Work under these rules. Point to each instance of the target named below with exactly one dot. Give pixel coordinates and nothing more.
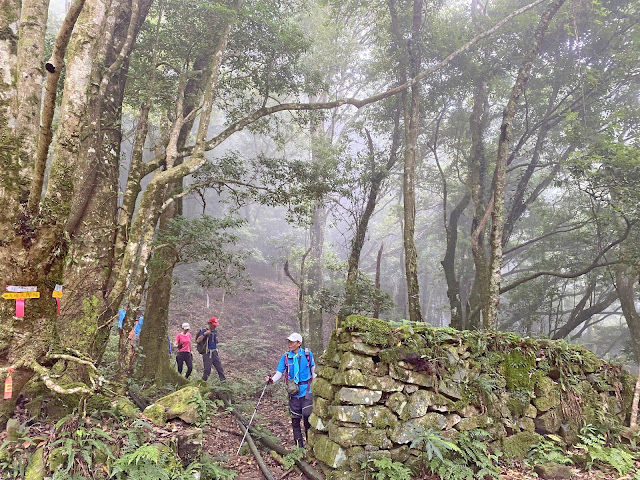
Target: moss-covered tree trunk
(478, 123)
(504, 146)
(32, 250)
(154, 366)
(86, 317)
(154, 338)
(312, 324)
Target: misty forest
(430, 207)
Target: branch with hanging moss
(71, 358)
(45, 375)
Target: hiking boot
(299, 443)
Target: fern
(450, 470)
(289, 460)
(432, 442)
(593, 443)
(142, 464)
(549, 451)
(386, 469)
(467, 459)
(208, 470)
(476, 454)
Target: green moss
(126, 408)
(331, 356)
(321, 388)
(374, 331)
(328, 451)
(517, 446)
(391, 355)
(326, 372)
(519, 371)
(157, 414)
(97, 403)
(36, 468)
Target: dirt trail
(253, 330)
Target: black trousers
(209, 359)
(182, 358)
(300, 409)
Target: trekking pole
(246, 430)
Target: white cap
(295, 337)
(185, 326)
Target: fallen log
(252, 446)
(307, 469)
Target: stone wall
(380, 386)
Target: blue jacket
(138, 327)
(304, 374)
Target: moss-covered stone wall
(380, 386)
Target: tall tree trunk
(376, 306)
(625, 280)
(155, 363)
(92, 218)
(53, 68)
(11, 182)
(478, 123)
(362, 224)
(32, 251)
(313, 324)
(449, 263)
(64, 178)
(154, 337)
(504, 145)
(412, 121)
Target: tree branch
(53, 67)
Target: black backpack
(202, 346)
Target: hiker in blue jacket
(121, 313)
(298, 368)
(207, 338)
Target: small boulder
(552, 471)
(186, 404)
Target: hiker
(135, 336)
(183, 347)
(207, 340)
(298, 368)
(121, 313)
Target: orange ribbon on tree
(8, 384)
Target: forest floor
(253, 330)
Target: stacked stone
(371, 402)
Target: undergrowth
(103, 446)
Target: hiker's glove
(269, 380)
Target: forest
(290, 166)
